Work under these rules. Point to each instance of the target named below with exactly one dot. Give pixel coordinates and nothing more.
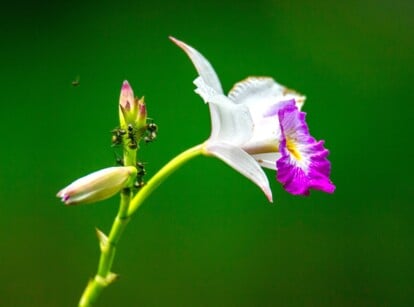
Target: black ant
(151, 132)
(139, 183)
(133, 144)
(117, 136)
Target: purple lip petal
(274, 109)
(304, 164)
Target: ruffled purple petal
(304, 164)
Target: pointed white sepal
(242, 162)
(203, 67)
(230, 122)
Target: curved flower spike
(98, 185)
(247, 129)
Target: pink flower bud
(141, 119)
(132, 111)
(127, 105)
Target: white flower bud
(99, 185)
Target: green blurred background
(207, 237)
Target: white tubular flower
(98, 186)
(243, 135)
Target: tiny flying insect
(76, 82)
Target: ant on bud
(133, 144)
(151, 132)
(139, 183)
(117, 135)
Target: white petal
(205, 91)
(231, 123)
(263, 91)
(267, 160)
(255, 87)
(241, 162)
(262, 95)
(203, 67)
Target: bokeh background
(207, 237)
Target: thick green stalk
(130, 157)
(104, 276)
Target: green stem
(130, 157)
(104, 276)
(108, 245)
(161, 175)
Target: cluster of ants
(131, 136)
(149, 133)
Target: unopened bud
(99, 185)
(141, 119)
(126, 104)
(132, 111)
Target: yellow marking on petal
(291, 146)
(290, 91)
(265, 148)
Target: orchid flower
(259, 124)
